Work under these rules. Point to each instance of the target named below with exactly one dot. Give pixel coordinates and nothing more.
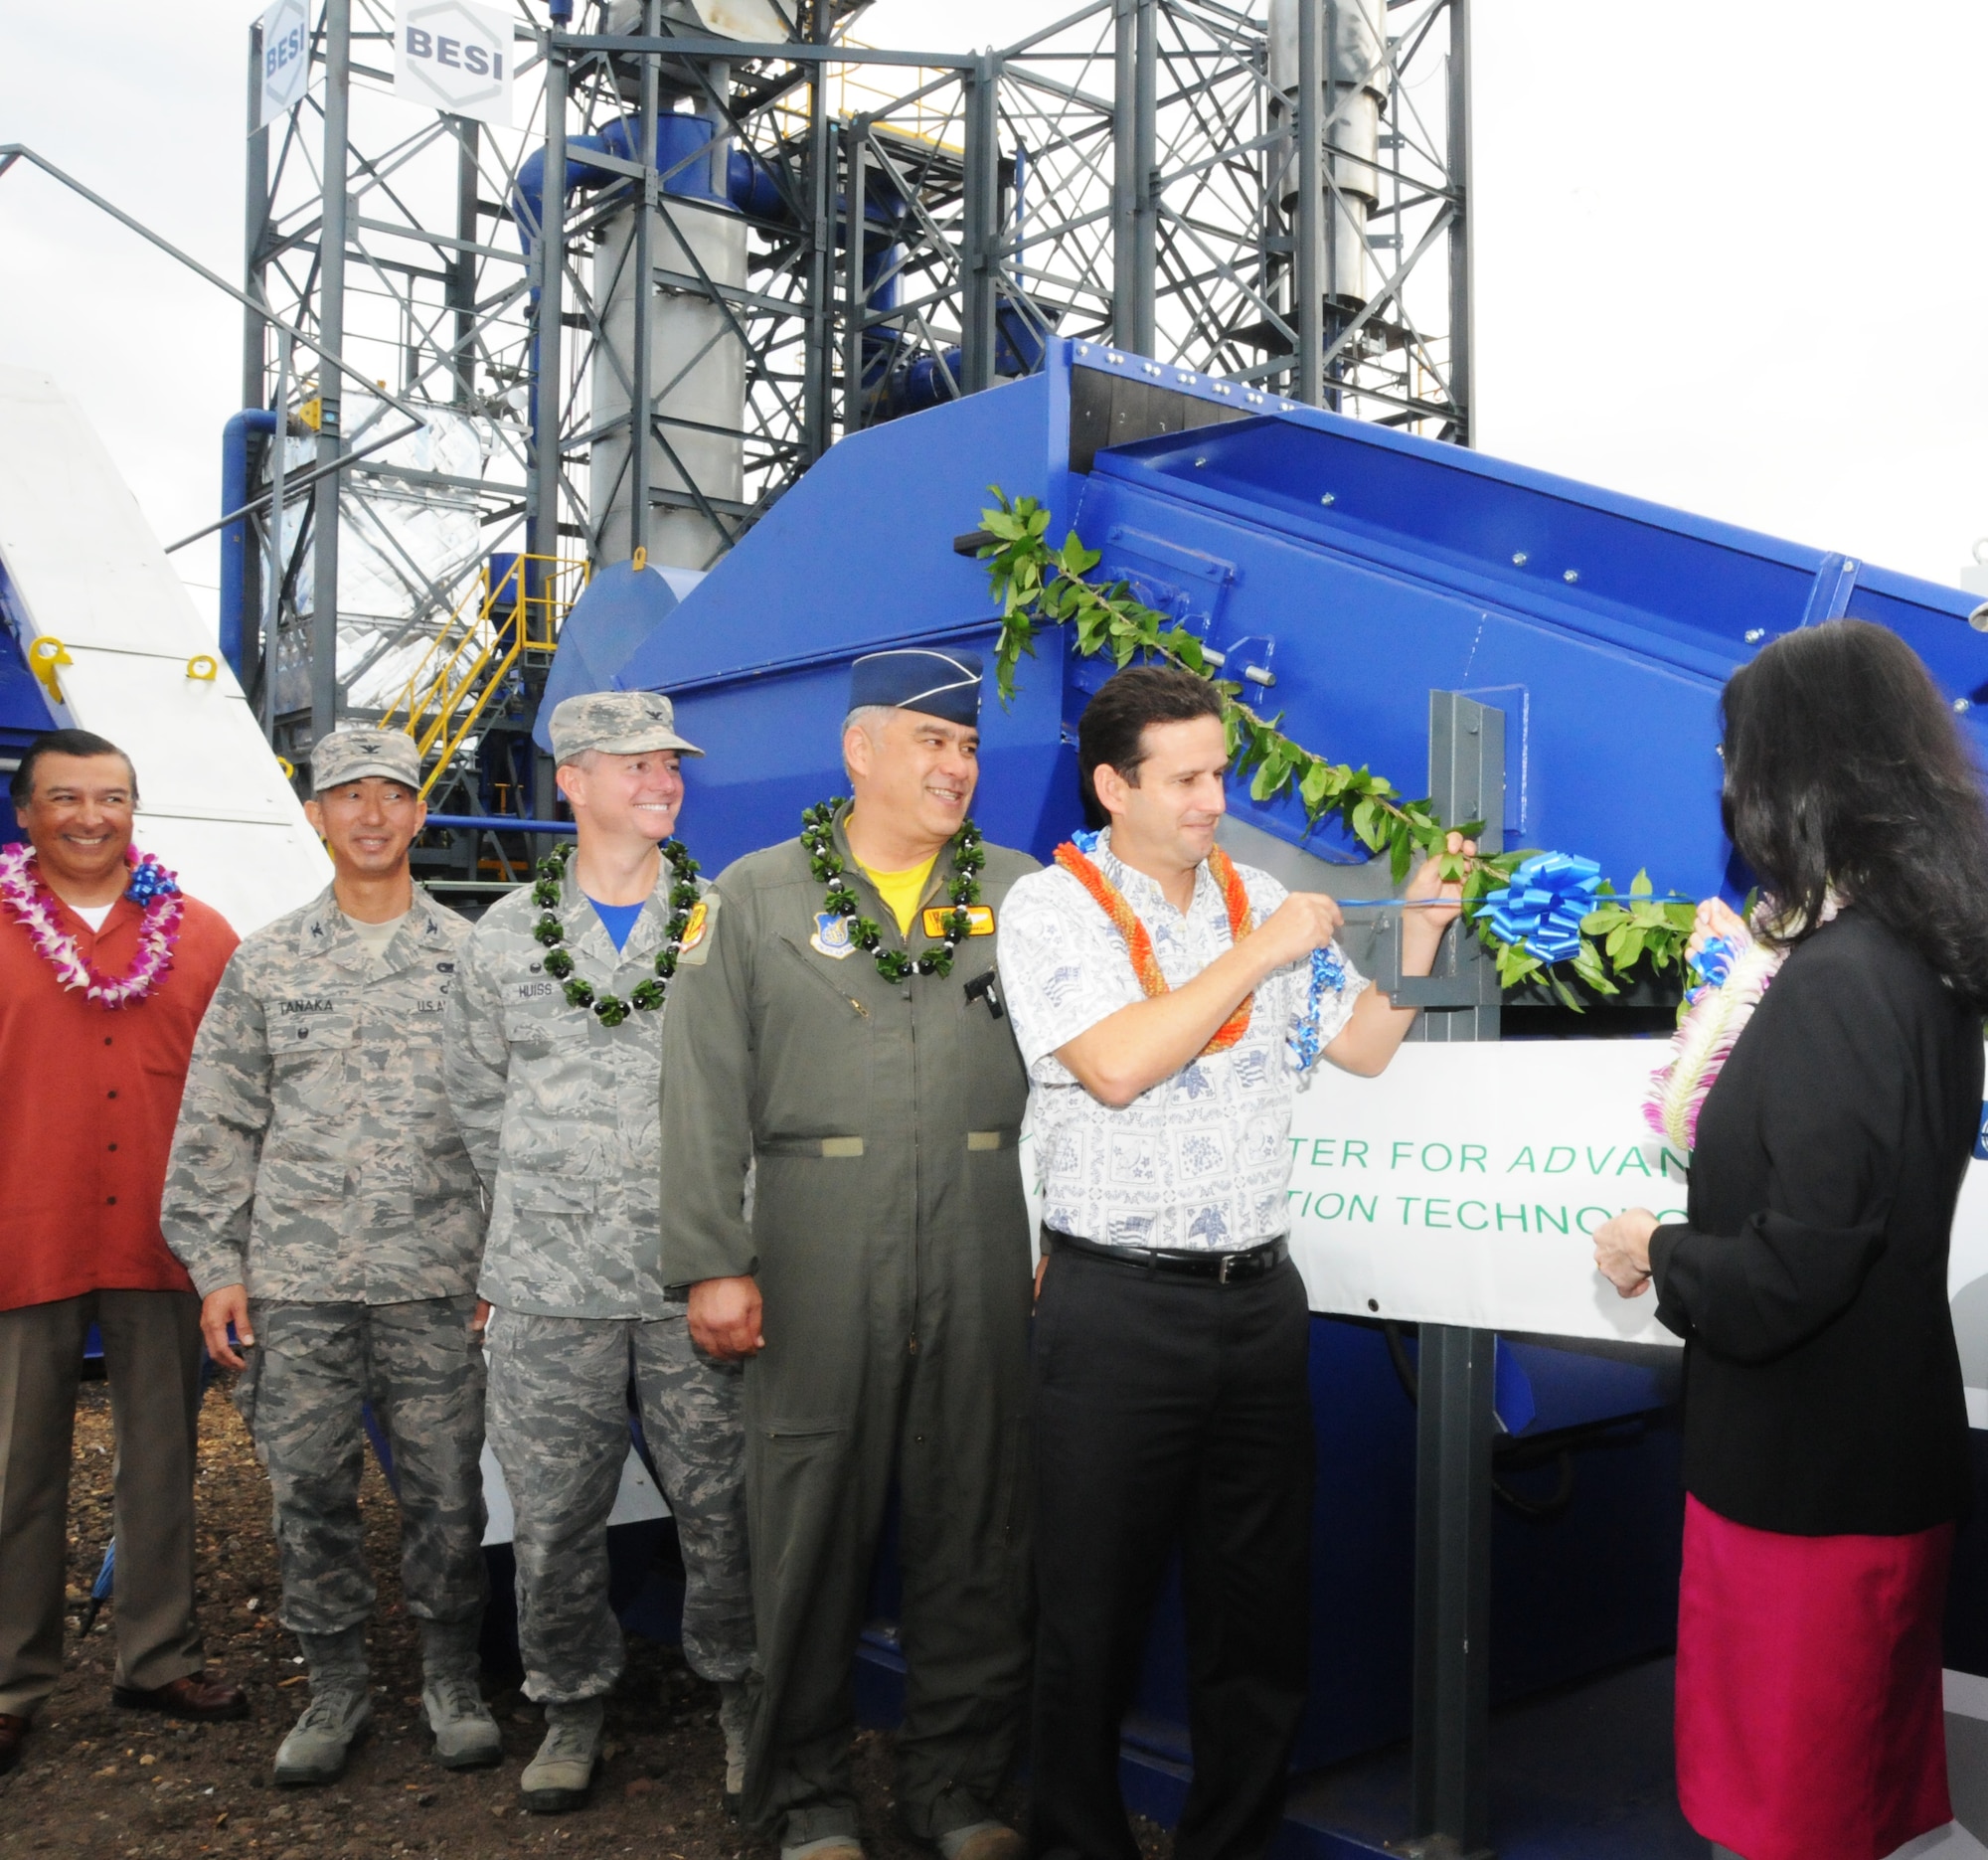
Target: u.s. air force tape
(979, 918)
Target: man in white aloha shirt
(1169, 1005)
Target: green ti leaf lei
(1036, 585)
(962, 889)
(646, 996)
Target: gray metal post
(640, 411)
(1125, 166)
(256, 226)
(1466, 783)
(1450, 1800)
(1135, 80)
(1308, 269)
(548, 390)
(1460, 326)
(254, 326)
(979, 233)
(855, 181)
(461, 287)
(817, 384)
(1145, 205)
(272, 612)
(330, 384)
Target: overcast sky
(1741, 272)
(1734, 258)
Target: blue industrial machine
(1355, 568)
(1345, 572)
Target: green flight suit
(886, 1229)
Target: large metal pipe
(1354, 94)
(238, 596)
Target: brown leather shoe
(13, 1734)
(196, 1696)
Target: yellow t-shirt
(903, 890)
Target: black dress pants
(1167, 1413)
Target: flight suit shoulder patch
(831, 935)
(695, 945)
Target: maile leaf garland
(1036, 584)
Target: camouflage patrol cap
(617, 723)
(347, 753)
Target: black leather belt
(1214, 1269)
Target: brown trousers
(151, 1351)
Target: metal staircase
(514, 608)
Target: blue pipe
(235, 537)
(932, 380)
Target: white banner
(286, 59)
(1461, 1187)
(455, 56)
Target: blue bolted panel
(858, 556)
(1601, 624)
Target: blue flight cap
(941, 683)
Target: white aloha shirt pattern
(1201, 1162)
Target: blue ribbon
(1711, 966)
(1541, 908)
(1328, 976)
(1086, 840)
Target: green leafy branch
(1039, 585)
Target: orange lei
(1138, 940)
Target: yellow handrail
(475, 648)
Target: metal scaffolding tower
(832, 234)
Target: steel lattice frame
(1112, 177)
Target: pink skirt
(1809, 1715)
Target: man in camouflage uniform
(322, 1199)
(874, 1093)
(553, 1050)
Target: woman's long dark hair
(1844, 766)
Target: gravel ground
(98, 1782)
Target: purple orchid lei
(25, 893)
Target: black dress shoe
(13, 1734)
(196, 1696)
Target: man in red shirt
(104, 973)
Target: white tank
(697, 362)
(1352, 63)
(697, 385)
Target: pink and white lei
(26, 894)
(1710, 1029)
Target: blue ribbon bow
(1541, 908)
(1711, 966)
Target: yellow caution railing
(474, 649)
(880, 93)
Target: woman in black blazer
(1826, 1452)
